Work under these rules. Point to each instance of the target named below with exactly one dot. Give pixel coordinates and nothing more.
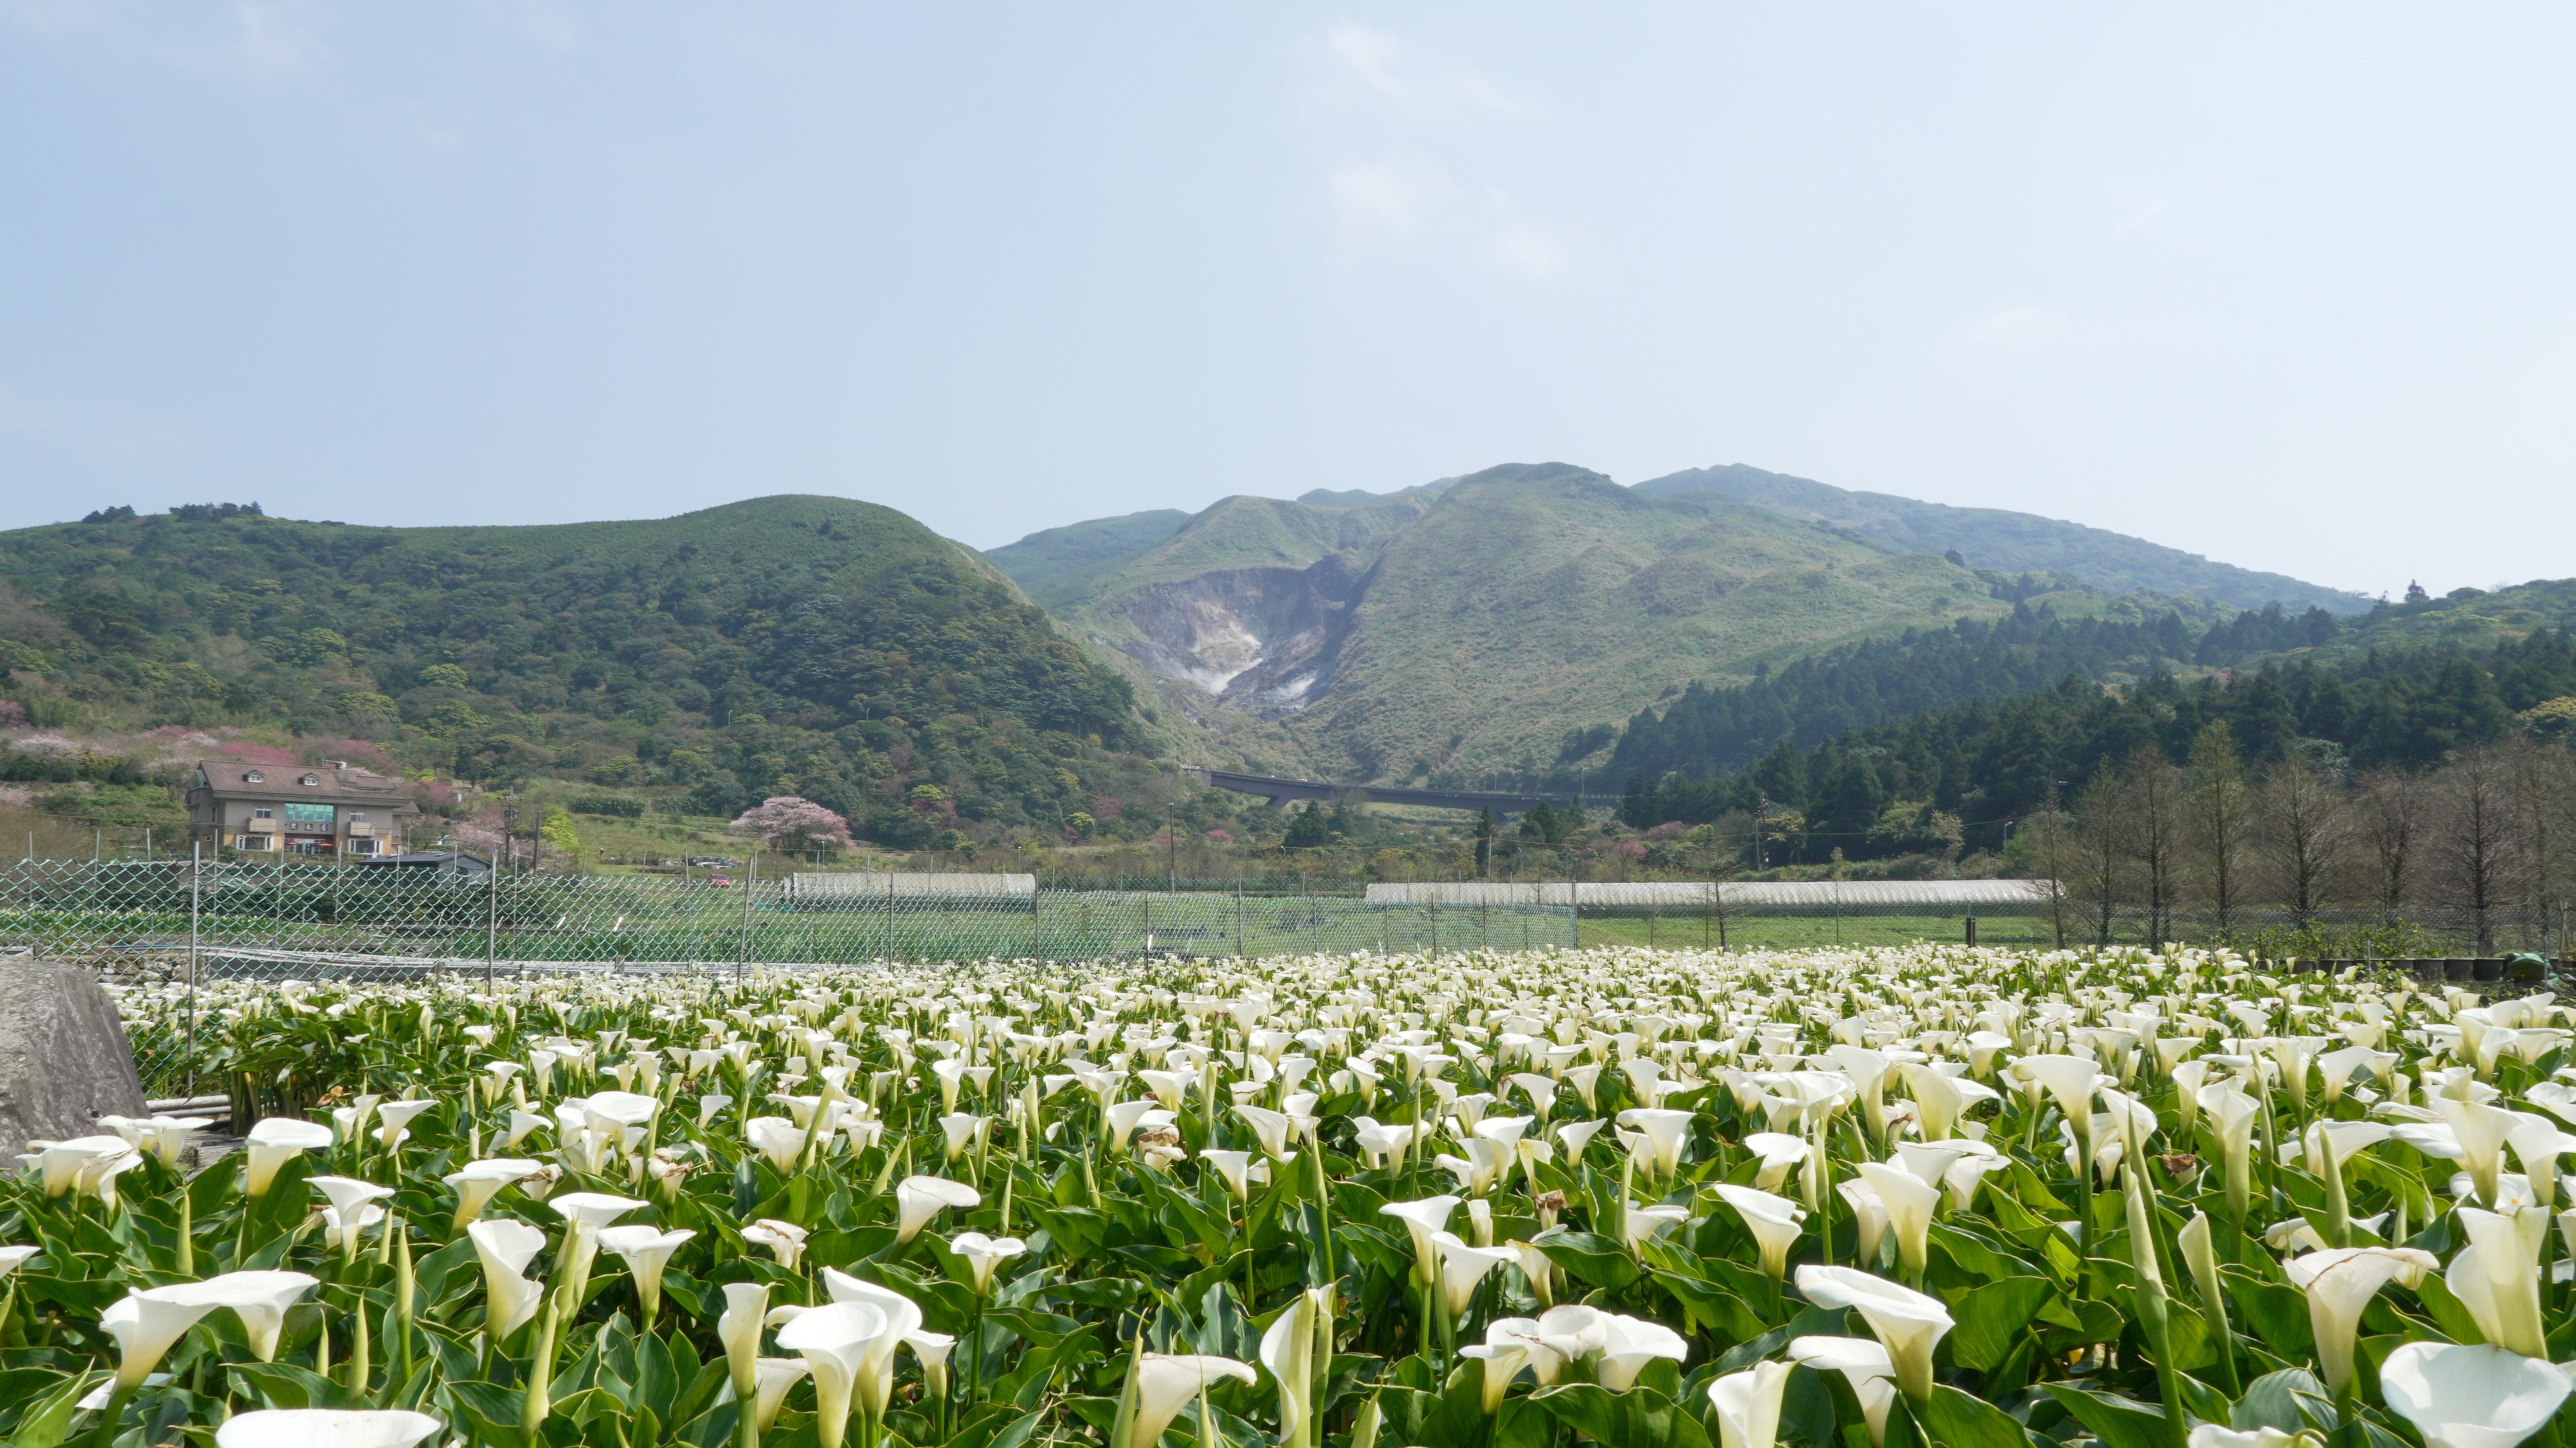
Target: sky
(2286, 285)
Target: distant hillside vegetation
(1055, 566)
(1834, 693)
(1507, 622)
(788, 645)
(1995, 538)
(2403, 689)
(1501, 623)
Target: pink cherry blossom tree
(793, 822)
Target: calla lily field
(1846, 1199)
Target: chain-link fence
(155, 922)
(2418, 933)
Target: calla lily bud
(739, 1328)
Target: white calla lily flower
(325, 1428)
(2471, 1397)
(1908, 1323)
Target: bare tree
(2543, 776)
(2393, 820)
(2474, 859)
(2219, 809)
(2049, 836)
(2151, 800)
(2302, 835)
(2099, 853)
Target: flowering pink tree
(792, 822)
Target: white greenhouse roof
(1694, 894)
(909, 884)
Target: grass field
(1793, 932)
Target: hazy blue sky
(2286, 285)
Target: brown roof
(229, 779)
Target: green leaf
(1078, 1231)
(1952, 1419)
(2201, 1401)
(46, 1423)
(1807, 1408)
(2276, 1311)
(284, 1385)
(1637, 1418)
(1002, 1432)
(2272, 1401)
(1589, 1258)
(1811, 1322)
(1709, 1304)
(1973, 1254)
(1991, 1318)
(2447, 1311)
(493, 1409)
(2118, 1422)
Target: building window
(357, 816)
(255, 777)
(314, 819)
(311, 779)
(263, 812)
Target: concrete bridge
(1281, 792)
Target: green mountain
(2011, 542)
(1054, 566)
(804, 645)
(1500, 623)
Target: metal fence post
(196, 863)
(750, 884)
(491, 918)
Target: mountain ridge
(1457, 629)
(1495, 623)
(2008, 540)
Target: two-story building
(329, 810)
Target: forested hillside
(789, 645)
(1836, 692)
(1961, 775)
